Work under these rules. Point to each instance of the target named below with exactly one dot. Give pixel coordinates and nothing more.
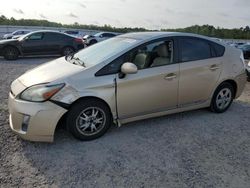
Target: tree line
(208, 30)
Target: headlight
(40, 93)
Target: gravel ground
(191, 149)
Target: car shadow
(151, 151)
(29, 60)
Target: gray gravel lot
(191, 149)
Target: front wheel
(10, 53)
(223, 98)
(89, 119)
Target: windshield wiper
(75, 60)
(79, 61)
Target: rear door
(200, 68)
(53, 42)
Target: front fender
(69, 95)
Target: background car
(16, 34)
(75, 33)
(246, 50)
(92, 39)
(239, 44)
(40, 43)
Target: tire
(10, 53)
(88, 119)
(67, 51)
(222, 98)
(92, 42)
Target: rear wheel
(89, 119)
(223, 98)
(10, 53)
(67, 50)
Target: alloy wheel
(11, 53)
(91, 121)
(224, 98)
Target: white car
(16, 34)
(75, 33)
(98, 37)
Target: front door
(34, 44)
(154, 88)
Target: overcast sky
(151, 14)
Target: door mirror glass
(129, 68)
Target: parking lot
(190, 149)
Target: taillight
(78, 40)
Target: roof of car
(22, 30)
(99, 33)
(156, 34)
(51, 31)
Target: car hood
(49, 72)
(6, 41)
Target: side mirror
(129, 68)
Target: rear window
(219, 50)
(72, 32)
(108, 35)
(49, 36)
(52, 36)
(193, 49)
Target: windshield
(15, 32)
(86, 36)
(103, 50)
(97, 34)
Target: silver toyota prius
(127, 78)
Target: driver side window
(152, 55)
(36, 36)
(145, 56)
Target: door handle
(214, 67)
(170, 76)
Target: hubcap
(91, 121)
(223, 98)
(11, 53)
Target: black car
(40, 43)
(246, 51)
